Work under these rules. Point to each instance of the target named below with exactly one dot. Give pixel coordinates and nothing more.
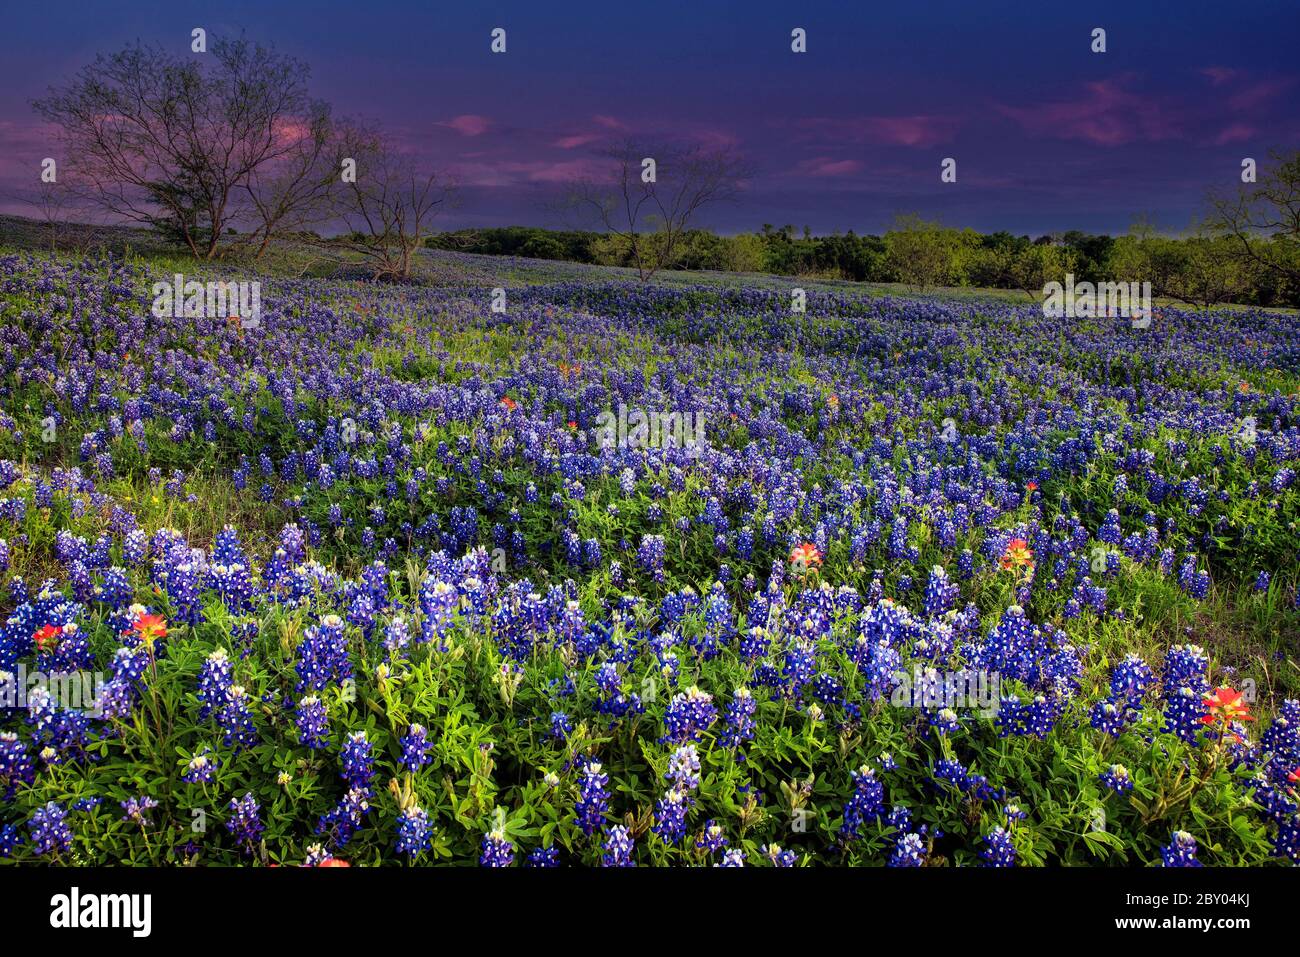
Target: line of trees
(1245, 250)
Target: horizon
(1048, 136)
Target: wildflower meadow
(929, 582)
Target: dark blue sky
(1047, 135)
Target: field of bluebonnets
(364, 585)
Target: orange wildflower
(1223, 706)
(1017, 555)
(806, 555)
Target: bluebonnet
(414, 832)
(1180, 851)
(999, 851)
(593, 799)
(245, 823)
(618, 848)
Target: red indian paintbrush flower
(1017, 555)
(47, 636)
(1224, 706)
(806, 555)
(150, 628)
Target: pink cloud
(1105, 114)
(468, 124)
(825, 166)
(609, 122)
(576, 140)
(1258, 94)
(1234, 133)
(916, 131)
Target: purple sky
(1047, 135)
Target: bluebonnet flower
(777, 856)
(346, 818)
(357, 761)
(670, 816)
(10, 838)
(618, 848)
(940, 592)
(1112, 718)
(866, 803)
(732, 857)
(593, 799)
(136, 809)
(323, 656)
(1131, 678)
(740, 724)
(944, 721)
(15, 764)
(689, 714)
(236, 720)
(414, 832)
(999, 851)
(245, 823)
(1181, 851)
(543, 857)
(561, 726)
(214, 682)
(683, 768)
(650, 555)
(49, 830)
(909, 851)
(415, 748)
(713, 839)
(201, 768)
(1117, 779)
(313, 723)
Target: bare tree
(389, 205)
(297, 191)
(1264, 217)
(655, 192)
(54, 205)
(175, 144)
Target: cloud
(1104, 114)
(468, 124)
(576, 140)
(913, 131)
(1234, 133)
(825, 166)
(1259, 94)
